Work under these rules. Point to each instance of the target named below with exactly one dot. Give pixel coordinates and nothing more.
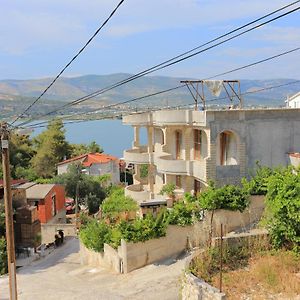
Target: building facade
(49, 200)
(94, 164)
(190, 148)
(293, 101)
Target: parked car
(70, 205)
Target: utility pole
(10, 240)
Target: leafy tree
(185, 212)
(169, 190)
(258, 183)
(79, 149)
(51, 148)
(116, 203)
(144, 171)
(21, 153)
(93, 203)
(95, 234)
(88, 186)
(228, 197)
(283, 207)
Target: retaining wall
(194, 288)
(131, 256)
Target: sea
(111, 135)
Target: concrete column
(188, 136)
(136, 136)
(151, 180)
(150, 139)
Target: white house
(190, 148)
(94, 164)
(293, 101)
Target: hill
(15, 94)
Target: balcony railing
(138, 155)
(137, 192)
(166, 164)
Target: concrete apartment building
(189, 148)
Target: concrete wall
(264, 135)
(48, 231)
(109, 259)
(131, 256)
(194, 288)
(137, 255)
(234, 220)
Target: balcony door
(178, 141)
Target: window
(228, 149)
(178, 181)
(178, 144)
(197, 144)
(164, 178)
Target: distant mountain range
(17, 94)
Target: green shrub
(141, 230)
(258, 184)
(168, 189)
(95, 234)
(116, 203)
(3, 256)
(184, 213)
(282, 210)
(227, 197)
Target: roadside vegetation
(185, 212)
(255, 268)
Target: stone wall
(48, 231)
(194, 288)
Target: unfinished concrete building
(189, 148)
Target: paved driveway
(60, 276)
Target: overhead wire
(34, 126)
(171, 62)
(179, 86)
(69, 63)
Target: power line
(43, 124)
(70, 62)
(180, 86)
(164, 65)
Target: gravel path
(60, 276)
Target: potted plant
(169, 190)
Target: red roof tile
(91, 158)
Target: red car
(70, 205)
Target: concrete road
(60, 276)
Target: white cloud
(34, 23)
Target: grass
(268, 275)
(251, 272)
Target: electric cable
(101, 91)
(70, 62)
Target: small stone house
(49, 199)
(94, 164)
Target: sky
(39, 37)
